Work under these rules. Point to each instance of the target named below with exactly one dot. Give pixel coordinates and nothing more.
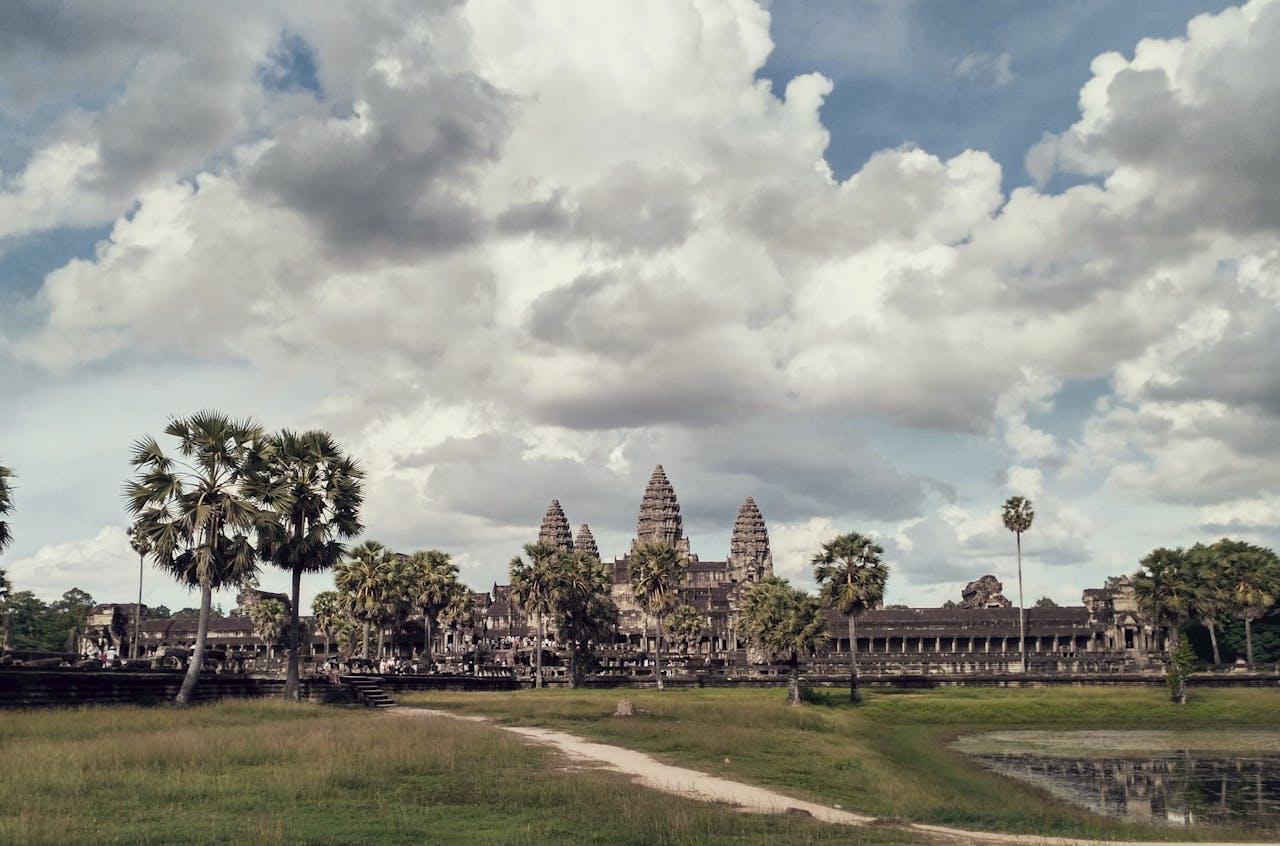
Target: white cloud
(994, 68)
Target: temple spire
(660, 515)
(586, 542)
(555, 529)
(749, 555)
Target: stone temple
(977, 635)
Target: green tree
(1046, 602)
(30, 625)
(330, 616)
(141, 547)
(159, 612)
(1211, 595)
(194, 512)
(315, 491)
(6, 505)
(1017, 517)
(1253, 582)
(657, 572)
(270, 617)
(531, 584)
(582, 609)
(685, 623)
(784, 623)
(852, 575)
(431, 579)
(365, 578)
(1165, 590)
(71, 613)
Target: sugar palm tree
(657, 573)
(784, 623)
(363, 579)
(1017, 518)
(269, 618)
(141, 547)
(431, 581)
(315, 492)
(330, 615)
(6, 505)
(852, 575)
(580, 602)
(1211, 594)
(1253, 582)
(194, 513)
(1164, 589)
(531, 584)
(686, 623)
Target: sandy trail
(693, 784)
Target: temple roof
(586, 542)
(750, 537)
(659, 512)
(555, 529)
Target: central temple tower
(660, 516)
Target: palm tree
(531, 584)
(1165, 590)
(852, 577)
(330, 615)
(315, 492)
(1211, 594)
(584, 612)
(1253, 581)
(784, 623)
(269, 617)
(431, 580)
(364, 578)
(194, 513)
(6, 505)
(141, 547)
(1017, 519)
(686, 623)
(657, 572)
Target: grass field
(889, 757)
(267, 773)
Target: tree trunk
(426, 643)
(291, 673)
(364, 641)
(137, 612)
(854, 695)
(657, 654)
(574, 667)
(382, 638)
(537, 657)
(189, 682)
(1022, 614)
(1248, 640)
(1213, 639)
(793, 683)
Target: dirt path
(682, 781)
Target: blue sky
(878, 265)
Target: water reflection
(1176, 788)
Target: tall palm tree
(584, 611)
(852, 575)
(6, 505)
(1165, 590)
(364, 579)
(1017, 518)
(431, 580)
(330, 615)
(1211, 594)
(531, 584)
(194, 513)
(315, 492)
(269, 618)
(141, 547)
(657, 573)
(1253, 581)
(784, 623)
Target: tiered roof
(586, 542)
(555, 531)
(749, 556)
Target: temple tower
(749, 555)
(586, 542)
(660, 515)
(555, 531)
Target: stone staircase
(368, 690)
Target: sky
(878, 265)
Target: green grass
(266, 772)
(889, 757)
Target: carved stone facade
(984, 593)
(555, 531)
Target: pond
(1174, 778)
